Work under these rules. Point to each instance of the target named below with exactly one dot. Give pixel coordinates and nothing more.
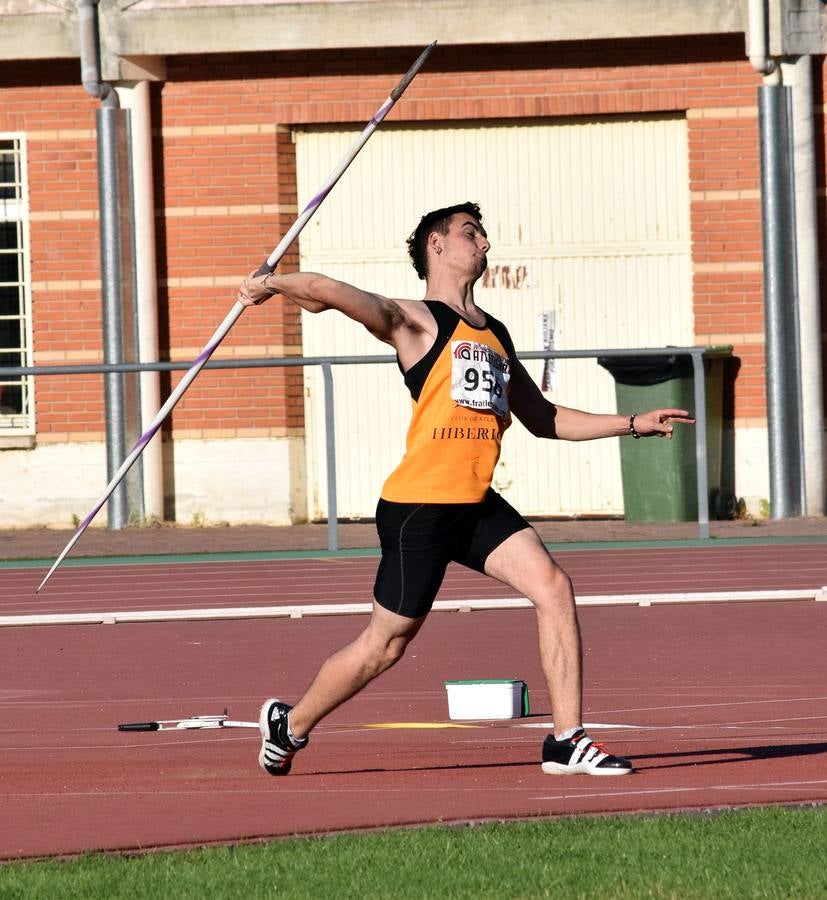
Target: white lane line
(683, 706)
(326, 790)
(723, 726)
(701, 788)
(595, 725)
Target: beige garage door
(589, 226)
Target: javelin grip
(139, 726)
(265, 269)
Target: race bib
(479, 376)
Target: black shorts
(419, 540)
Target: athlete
(437, 506)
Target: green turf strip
(760, 853)
(250, 555)
(167, 558)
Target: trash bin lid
(644, 370)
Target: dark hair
(438, 220)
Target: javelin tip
(50, 572)
(409, 76)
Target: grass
(773, 852)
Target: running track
(719, 704)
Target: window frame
(14, 426)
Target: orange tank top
(459, 391)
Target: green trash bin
(660, 477)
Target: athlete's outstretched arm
(316, 293)
(550, 420)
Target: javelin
(268, 265)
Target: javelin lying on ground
(192, 722)
(269, 265)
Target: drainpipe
(135, 98)
(798, 74)
(110, 185)
(757, 43)
(780, 302)
(781, 310)
(90, 54)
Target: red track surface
(726, 702)
(192, 585)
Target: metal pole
(136, 99)
(798, 73)
(330, 457)
(108, 190)
(780, 303)
(699, 383)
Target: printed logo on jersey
(479, 376)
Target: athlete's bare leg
(345, 673)
(523, 562)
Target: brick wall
(226, 192)
(708, 79)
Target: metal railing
(697, 355)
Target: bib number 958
(479, 376)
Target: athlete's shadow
(693, 758)
(391, 770)
(732, 754)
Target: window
(16, 412)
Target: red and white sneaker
(580, 755)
